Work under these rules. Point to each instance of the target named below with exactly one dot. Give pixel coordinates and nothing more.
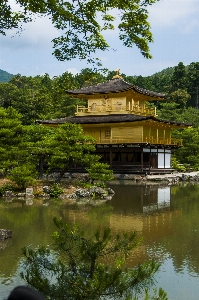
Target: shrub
(56, 190)
(23, 175)
(6, 187)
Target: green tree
(11, 139)
(193, 84)
(168, 111)
(87, 267)
(23, 175)
(180, 97)
(189, 153)
(34, 149)
(81, 23)
(15, 158)
(34, 99)
(88, 77)
(38, 141)
(9, 94)
(179, 78)
(40, 97)
(62, 104)
(190, 116)
(69, 146)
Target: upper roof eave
(115, 85)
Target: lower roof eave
(140, 145)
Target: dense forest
(42, 97)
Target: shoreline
(176, 176)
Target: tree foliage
(189, 153)
(90, 267)
(81, 24)
(11, 139)
(69, 147)
(27, 151)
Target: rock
(138, 178)
(44, 195)
(68, 175)
(72, 196)
(110, 191)
(54, 175)
(116, 176)
(5, 234)
(129, 177)
(46, 189)
(82, 193)
(97, 190)
(29, 192)
(21, 195)
(9, 194)
(107, 197)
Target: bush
(56, 190)
(177, 166)
(23, 175)
(6, 187)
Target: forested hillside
(5, 76)
(42, 97)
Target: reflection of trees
(33, 225)
(177, 231)
(131, 198)
(30, 225)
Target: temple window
(107, 134)
(118, 106)
(93, 107)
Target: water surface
(166, 217)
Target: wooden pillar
(111, 156)
(142, 160)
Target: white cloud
(167, 13)
(73, 71)
(38, 34)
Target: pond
(166, 217)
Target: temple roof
(115, 85)
(109, 119)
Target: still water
(166, 217)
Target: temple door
(154, 160)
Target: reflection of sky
(163, 200)
(12, 281)
(179, 286)
(163, 195)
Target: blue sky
(175, 28)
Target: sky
(175, 28)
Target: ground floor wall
(135, 157)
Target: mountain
(5, 76)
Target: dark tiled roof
(108, 119)
(113, 86)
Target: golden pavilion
(129, 136)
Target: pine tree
(88, 267)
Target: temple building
(129, 136)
